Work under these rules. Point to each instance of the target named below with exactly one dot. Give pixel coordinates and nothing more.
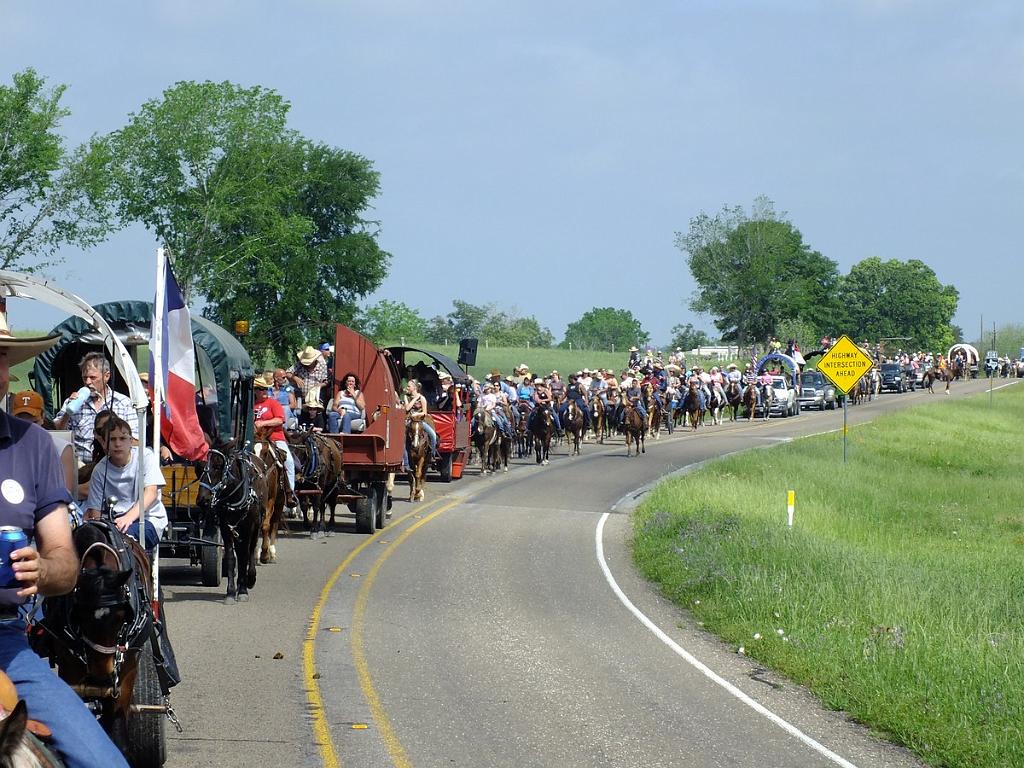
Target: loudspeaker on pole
(467, 352)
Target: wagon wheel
(365, 511)
(210, 559)
(447, 459)
(380, 503)
(147, 739)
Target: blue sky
(541, 156)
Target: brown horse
(750, 400)
(572, 424)
(319, 477)
(633, 426)
(101, 635)
(734, 398)
(937, 374)
(418, 446)
(273, 459)
(541, 427)
(653, 410)
(690, 405)
(522, 434)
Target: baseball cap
(27, 402)
(325, 347)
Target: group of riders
(514, 400)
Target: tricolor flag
(174, 368)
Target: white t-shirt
(110, 480)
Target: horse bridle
(242, 485)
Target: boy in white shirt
(115, 475)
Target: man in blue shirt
(33, 497)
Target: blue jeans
(151, 538)
(341, 422)
(76, 734)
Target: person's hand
(123, 523)
(27, 569)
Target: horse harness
(132, 596)
(242, 487)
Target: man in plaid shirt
(95, 370)
(309, 374)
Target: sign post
(844, 365)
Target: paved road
(479, 629)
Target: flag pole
(156, 368)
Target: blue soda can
(11, 538)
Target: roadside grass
(896, 596)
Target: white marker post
(790, 505)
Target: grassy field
(897, 594)
(540, 359)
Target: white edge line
(700, 666)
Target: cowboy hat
(634, 349)
(444, 375)
(261, 382)
(731, 367)
(308, 356)
(20, 349)
(495, 372)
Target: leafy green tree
(463, 322)
(393, 321)
(754, 271)
(687, 337)
(263, 223)
(508, 330)
(48, 197)
(887, 299)
(605, 328)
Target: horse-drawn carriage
(452, 423)
(964, 360)
(224, 374)
(108, 637)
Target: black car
(894, 378)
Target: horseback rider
(634, 358)
(574, 392)
(717, 383)
(542, 398)
(631, 393)
(416, 407)
(489, 402)
(764, 387)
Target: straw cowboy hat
(261, 382)
(731, 367)
(308, 356)
(634, 349)
(495, 372)
(444, 375)
(20, 349)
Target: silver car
(816, 391)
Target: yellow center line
(399, 758)
(321, 730)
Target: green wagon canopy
(220, 358)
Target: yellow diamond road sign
(844, 364)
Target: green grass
(542, 360)
(899, 592)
